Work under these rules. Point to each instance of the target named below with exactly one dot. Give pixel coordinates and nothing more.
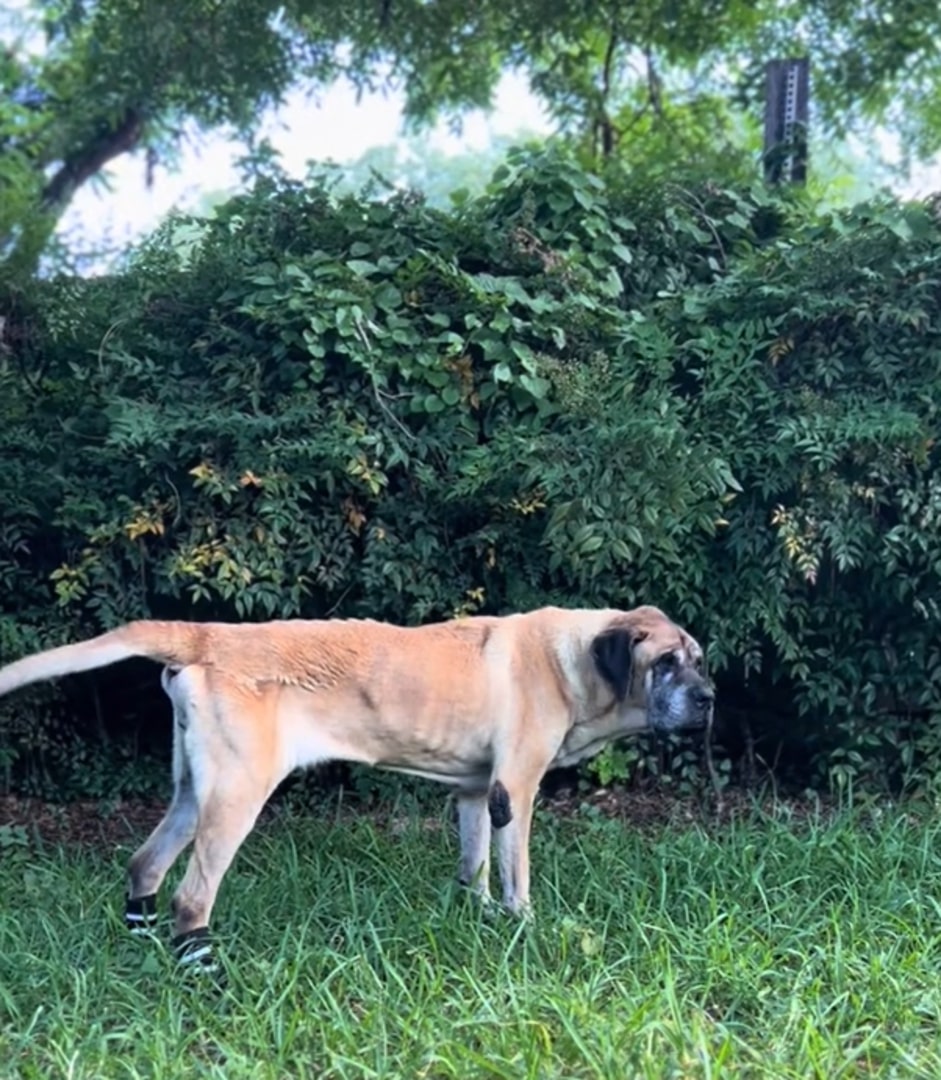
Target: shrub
(567, 390)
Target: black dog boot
(140, 914)
(194, 952)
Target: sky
(339, 126)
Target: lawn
(776, 944)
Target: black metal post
(787, 93)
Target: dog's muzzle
(680, 701)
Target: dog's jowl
(485, 705)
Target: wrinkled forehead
(670, 640)
(658, 635)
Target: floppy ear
(613, 653)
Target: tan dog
(486, 705)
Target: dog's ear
(613, 653)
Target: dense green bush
(568, 391)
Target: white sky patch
(337, 125)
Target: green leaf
(387, 298)
(362, 267)
(535, 384)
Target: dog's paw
(475, 886)
(519, 909)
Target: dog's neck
(584, 740)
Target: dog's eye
(668, 662)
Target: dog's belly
(456, 757)
(476, 781)
(447, 748)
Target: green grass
(767, 947)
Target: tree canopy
(84, 82)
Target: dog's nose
(704, 697)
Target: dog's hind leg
(233, 757)
(150, 863)
(473, 818)
(152, 860)
(226, 817)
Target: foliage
(563, 391)
(794, 946)
(813, 363)
(84, 84)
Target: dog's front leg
(474, 830)
(519, 765)
(513, 849)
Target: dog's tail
(176, 643)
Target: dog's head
(649, 662)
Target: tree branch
(82, 166)
(607, 128)
(653, 85)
